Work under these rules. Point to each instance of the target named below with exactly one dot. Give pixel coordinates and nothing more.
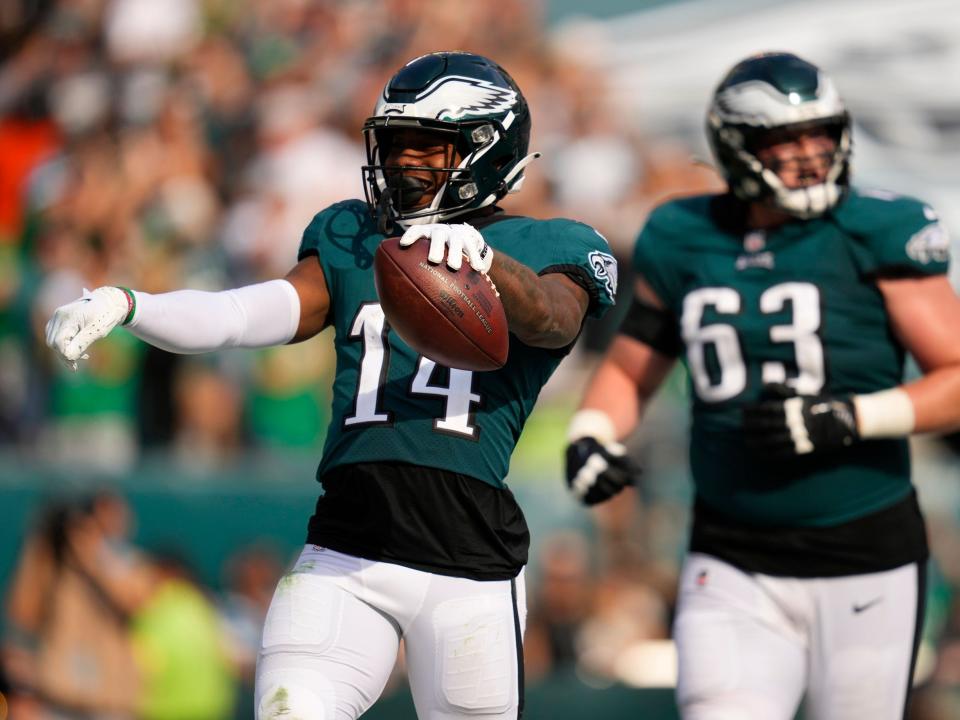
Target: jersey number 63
(731, 380)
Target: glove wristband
(885, 414)
(131, 304)
(592, 423)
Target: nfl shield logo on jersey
(754, 241)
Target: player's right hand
(452, 242)
(77, 325)
(597, 471)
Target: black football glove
(786, 425)
(597, 471)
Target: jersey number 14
(804, 299)
(369, 327)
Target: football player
(792, 299)
(416, 535)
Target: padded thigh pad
(477, 646)
(306, 611)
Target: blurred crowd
(187, 143)
(98, 628)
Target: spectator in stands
(68, 610)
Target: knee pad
(281, 696)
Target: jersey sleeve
(341, 221)
(311, 238)
(583, 254)
(652, 256)
(897, 236)
(332, 233)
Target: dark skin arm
(542, 310)
(308, 280)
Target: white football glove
(454, 241)
(76, 326)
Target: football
(453, 317)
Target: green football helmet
(471, 102)
(777, 92)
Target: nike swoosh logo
(866, 606)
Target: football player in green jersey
(416, 535)
(793, 299)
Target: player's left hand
(786, 425)
(452, 242)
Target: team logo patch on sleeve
(930, 244)
(605, 271)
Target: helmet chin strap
(407, 190)
(805, 202)
(809, 202)
(400, 190)
(427, 218)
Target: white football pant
(331, 637)
(750, 646)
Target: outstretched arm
(542, 310)
(308, 280)
(193, 321)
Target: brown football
(453, 317)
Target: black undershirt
(880, 541)
(424, 518)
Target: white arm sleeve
(193, 321)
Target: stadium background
(187, 143)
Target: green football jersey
(794, 305)
(391, 404)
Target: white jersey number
(730, 376)
(370, 328)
